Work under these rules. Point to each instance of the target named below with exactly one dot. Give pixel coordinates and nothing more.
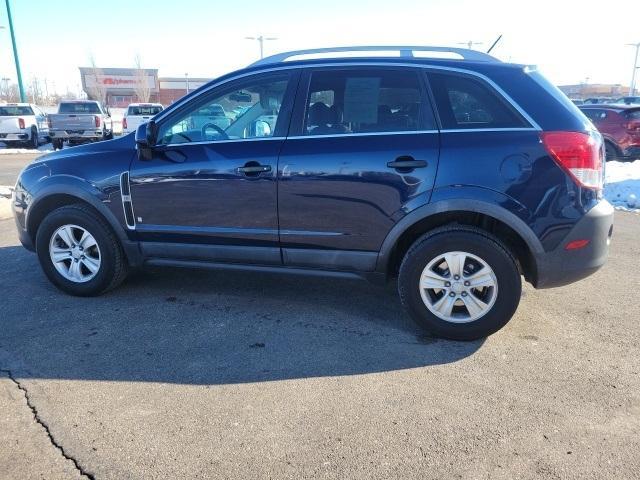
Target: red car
(620, 127)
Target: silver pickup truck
(80, 121)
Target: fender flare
(74, 187)
(451, 205)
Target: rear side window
(467, 103)
(365, 101)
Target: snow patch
(41, 149)
(622, 185)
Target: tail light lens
(21, 123)
(49, 122)
(97, 121)
(579, 154)
(634, 126)
(124, 122)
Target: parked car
(80, 121)
(620, 127)
(23, 124)
(597, 101)
(137, 114)
(628, 100)
(454, 177)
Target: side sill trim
(165, 262)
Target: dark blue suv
(456, 176)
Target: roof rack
(404, 51)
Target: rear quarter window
(467, 103)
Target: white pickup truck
(80, 121)
(137, 114)
(23, 124)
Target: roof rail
(404, 51)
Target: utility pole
(15, 53)
(470, 44)
(632, 87)
(261, 39)
(186, 77)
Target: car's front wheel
(79, 252)
(460, 283)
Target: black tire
(471, 240)
(113, 266)
(33, 141)
(57, 143)
(611, 152)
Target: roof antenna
(494, 43)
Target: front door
(209, 191)
(365, 154)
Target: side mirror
(146, 134)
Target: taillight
(49, 122)
(578, 154)
(124, 122)
(97, 121)
(633, 126)
(21, 123)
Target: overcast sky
(569, 40)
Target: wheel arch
(51, 199)
(508, 227)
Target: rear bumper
(15, 137)
(561, 267)
(85, 135)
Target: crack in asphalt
(41, 422)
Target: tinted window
(144, 110)
(79, 108)
(362, 101)
(466, 103)
(248, 110)
(633, 115)
(11, 111)
(595, 114)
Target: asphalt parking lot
(192, 374)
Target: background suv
(620, 127)
(454, 176)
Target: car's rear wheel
(460, 283)
(611, 152)
(79, 252)
(57, 143)
(33, 141)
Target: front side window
(467, 103)
(363, 101)
(250, 109)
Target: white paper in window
(361, 99)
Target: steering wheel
(221, 132)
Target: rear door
(363, 150)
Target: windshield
(79, 108)
(144, 110)
(12, 111)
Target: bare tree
(97, 90)
(142, 89)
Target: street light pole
(15, 53)
(261, 39)
(470, 44)
(632, 87)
